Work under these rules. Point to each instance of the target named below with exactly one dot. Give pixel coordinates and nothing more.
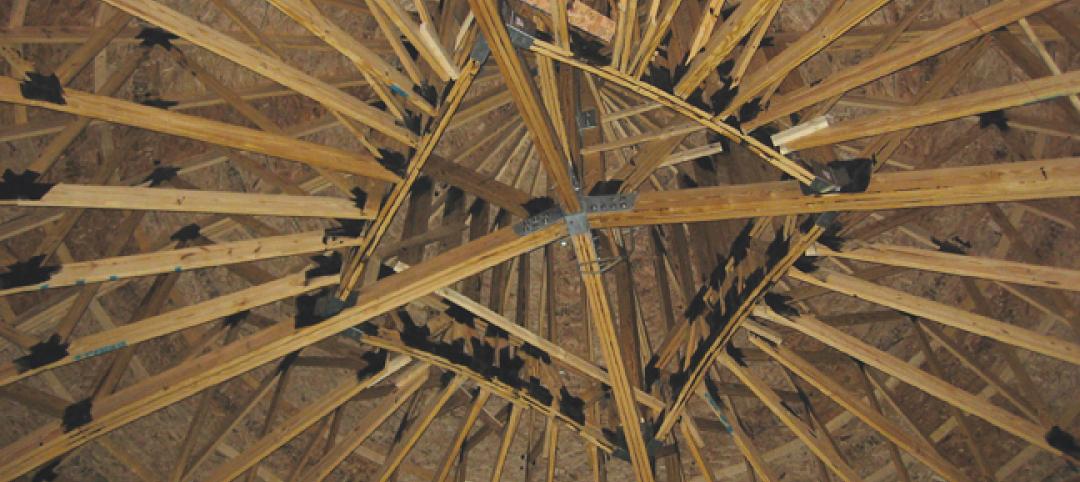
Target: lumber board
(140, 198)
(201, 129)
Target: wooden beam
(892, 190)
(193, 201)
(357, 263)
(206, 130)
(265, 65)
(677, 104)
(817, 446)
(955, 107)
(947, 315)
(307, 14)
(507, 440)
(936, 387)
(404, 388)
(834, 25)
(60, 142)
(958, 264)
(746, 445)
(718, 336)
(422, 36)
(601, 319)
(565, 357)
(851, 402)
(453, 451)
(398, 456)
(279, 340)
(733, 29)
(186, 259)
(927, 45)
(151, 327)
(288, 429)
(527, 101)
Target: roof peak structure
(300, 240)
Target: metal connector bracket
(577, 223)
(539, 221)
(608, 203)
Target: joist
(834, 25)
(956, 107)
(306, 13)
(134, 402)
(526, 99)
(418, 428)
(397, 195)
(992, 414)
(720, 45)
(989, 183)
(601, 318)
(586, 118)
(174, 321)
(735, 311)
(926, 45)
(422, 36)
(405, 387)
(706, 119)
(747, 447)
(566, 357)
(947, 315)
(201, 129)
(265, 65)
(187, 259)
(60, 143)
(453, 451)
(80, 34)
(391, 341)
(290, 428)
(812, 440)
(507, 441)
(958, 264)
(835, 391)
(193, 201)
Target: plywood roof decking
(671, 240)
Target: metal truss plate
(480, 50)
(519, 38)
(577, 223)
(538, 222)
(586, 119)
(608, 203)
